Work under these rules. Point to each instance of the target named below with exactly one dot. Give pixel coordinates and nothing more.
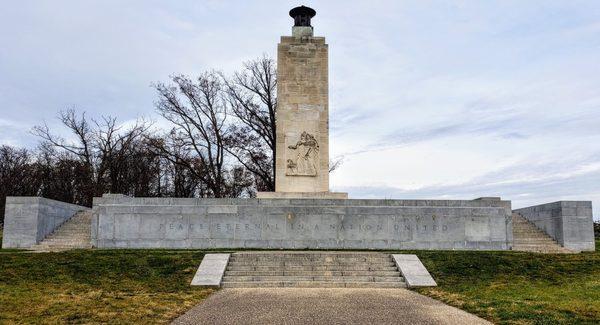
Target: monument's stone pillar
(302, 119)
(302, 158)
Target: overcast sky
(428, 99)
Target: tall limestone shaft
(302, 120)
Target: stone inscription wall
(301, 223)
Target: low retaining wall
(570, 223)
(28, 220)
(124, 222)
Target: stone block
(127, 226)
(222, 209)
(414, 272)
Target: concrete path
(323, 306)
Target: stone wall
(28, 220)
(570, 223)
(124, 222)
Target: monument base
(232, 223)
(302, 195)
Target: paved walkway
(324, 306)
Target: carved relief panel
(302, 156)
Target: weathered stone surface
(302, 159)
(570, 223)
(28, 220)
(211, 270)
(302, 223)
(301, 195)
(414, 272)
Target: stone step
(369, 256)
(528, 231)
(537, 246)
(74, 228)
(63, 232)
(312, 260)
(304, 263)
(534, 236)
(74, 244)
(534, 240)
(62, 238)
(309, 254)
(61, 246)
(528, 240)
(313, 284)
(545, 239)
(312, 268)
(527, 237)
(74, 233)
(229, 278)
(66, 234)
(313, 273)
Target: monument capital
(302, 16)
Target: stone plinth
(302, 195)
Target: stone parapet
(301, 223)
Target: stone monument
(298, 215)
(302, 118)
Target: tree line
(221, 144)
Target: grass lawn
(86, 286)
(518, 288)
(152, 286)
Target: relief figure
(304, 158)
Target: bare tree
(199, 112)
(251, 94)
(180, 177)
(102, 148)
(17, 175)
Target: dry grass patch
(121, 287)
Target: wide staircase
(528, 238)
(312, 269)
(74, 233)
